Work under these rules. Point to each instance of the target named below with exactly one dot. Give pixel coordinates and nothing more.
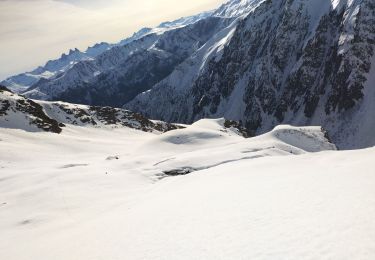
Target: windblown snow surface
(203, 192)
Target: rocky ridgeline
(105, 116)
(19, 112)
(22, 113)
(12, 104)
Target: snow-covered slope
(203, 192)
(237, 8)
(295, 62)
(18, 112)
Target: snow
(183, 21)
(180, 80)
(348, 28)
(203, 192)
(100, 193)
(236, 8)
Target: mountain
(53, 68)
(119, 74)
(261, 62)
(290, 62)
(113, 74)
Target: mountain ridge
(23, 81)
(18, 112)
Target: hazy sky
(34, 31)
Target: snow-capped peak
(235, 8)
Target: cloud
(34, 31)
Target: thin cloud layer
(34, 31)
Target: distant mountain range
(56, 68)
(261, 62)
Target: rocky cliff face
(297, 62)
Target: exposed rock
(20, 112)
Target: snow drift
(202, 192)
